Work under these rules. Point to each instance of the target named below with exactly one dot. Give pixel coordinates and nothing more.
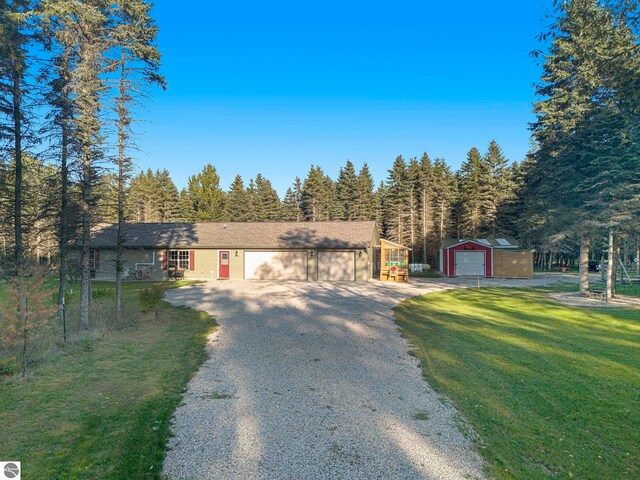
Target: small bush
(150, 299)
(100, 293)
(9, 366)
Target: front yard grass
(552, 391)
(101, 408)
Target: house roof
(500, 242)
(238, 235)
(394, 244)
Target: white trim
(462, 242)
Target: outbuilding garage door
(275, 265)
(337, 266)
(470, 263)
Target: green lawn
(626, 289)
(101, 408)
(552, 391)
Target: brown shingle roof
(238, 235)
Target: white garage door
(337, 266)
(470, 263)
(275, 265)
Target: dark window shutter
(164, 257)
(96, 259)
(192, 260)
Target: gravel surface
(576, 300)
(312, 380)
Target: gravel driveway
(311, 381)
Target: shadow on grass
(550, 389)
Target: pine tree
(585, 176)
(379, 199)
(237, 205)
(444, 198)
(186, 206)
(397, 214)
(104, 205)
(474, 194)
(292, 203)
(253, 214)
(206, 196)
(499, 189)
(137, 63)
(365, 201)
(267, 200)
(153, 197)
(144, 197)
(169, 198)
(87, 25)
(425, 199)
(346, 193)
(316, 196)
(413, 186)
(14, 40)
(61, 118)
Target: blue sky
(273, 87)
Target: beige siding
(363, 266)
(107, 266)
(512, 263)
(150, 262)
(206, 263)
(312, 265)
(236, 264)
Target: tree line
(420, 202)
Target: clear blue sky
(273, 87)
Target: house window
(179, 259)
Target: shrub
(100, 293)
(150, 299)
(27, 319)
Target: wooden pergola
(394, 262)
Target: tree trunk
(424, 227)
(18, 231)
(611, 259)
(64, 225)
(616, 268)
(121, 160)
(584, 265)
(412, 228)
(85, 283)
